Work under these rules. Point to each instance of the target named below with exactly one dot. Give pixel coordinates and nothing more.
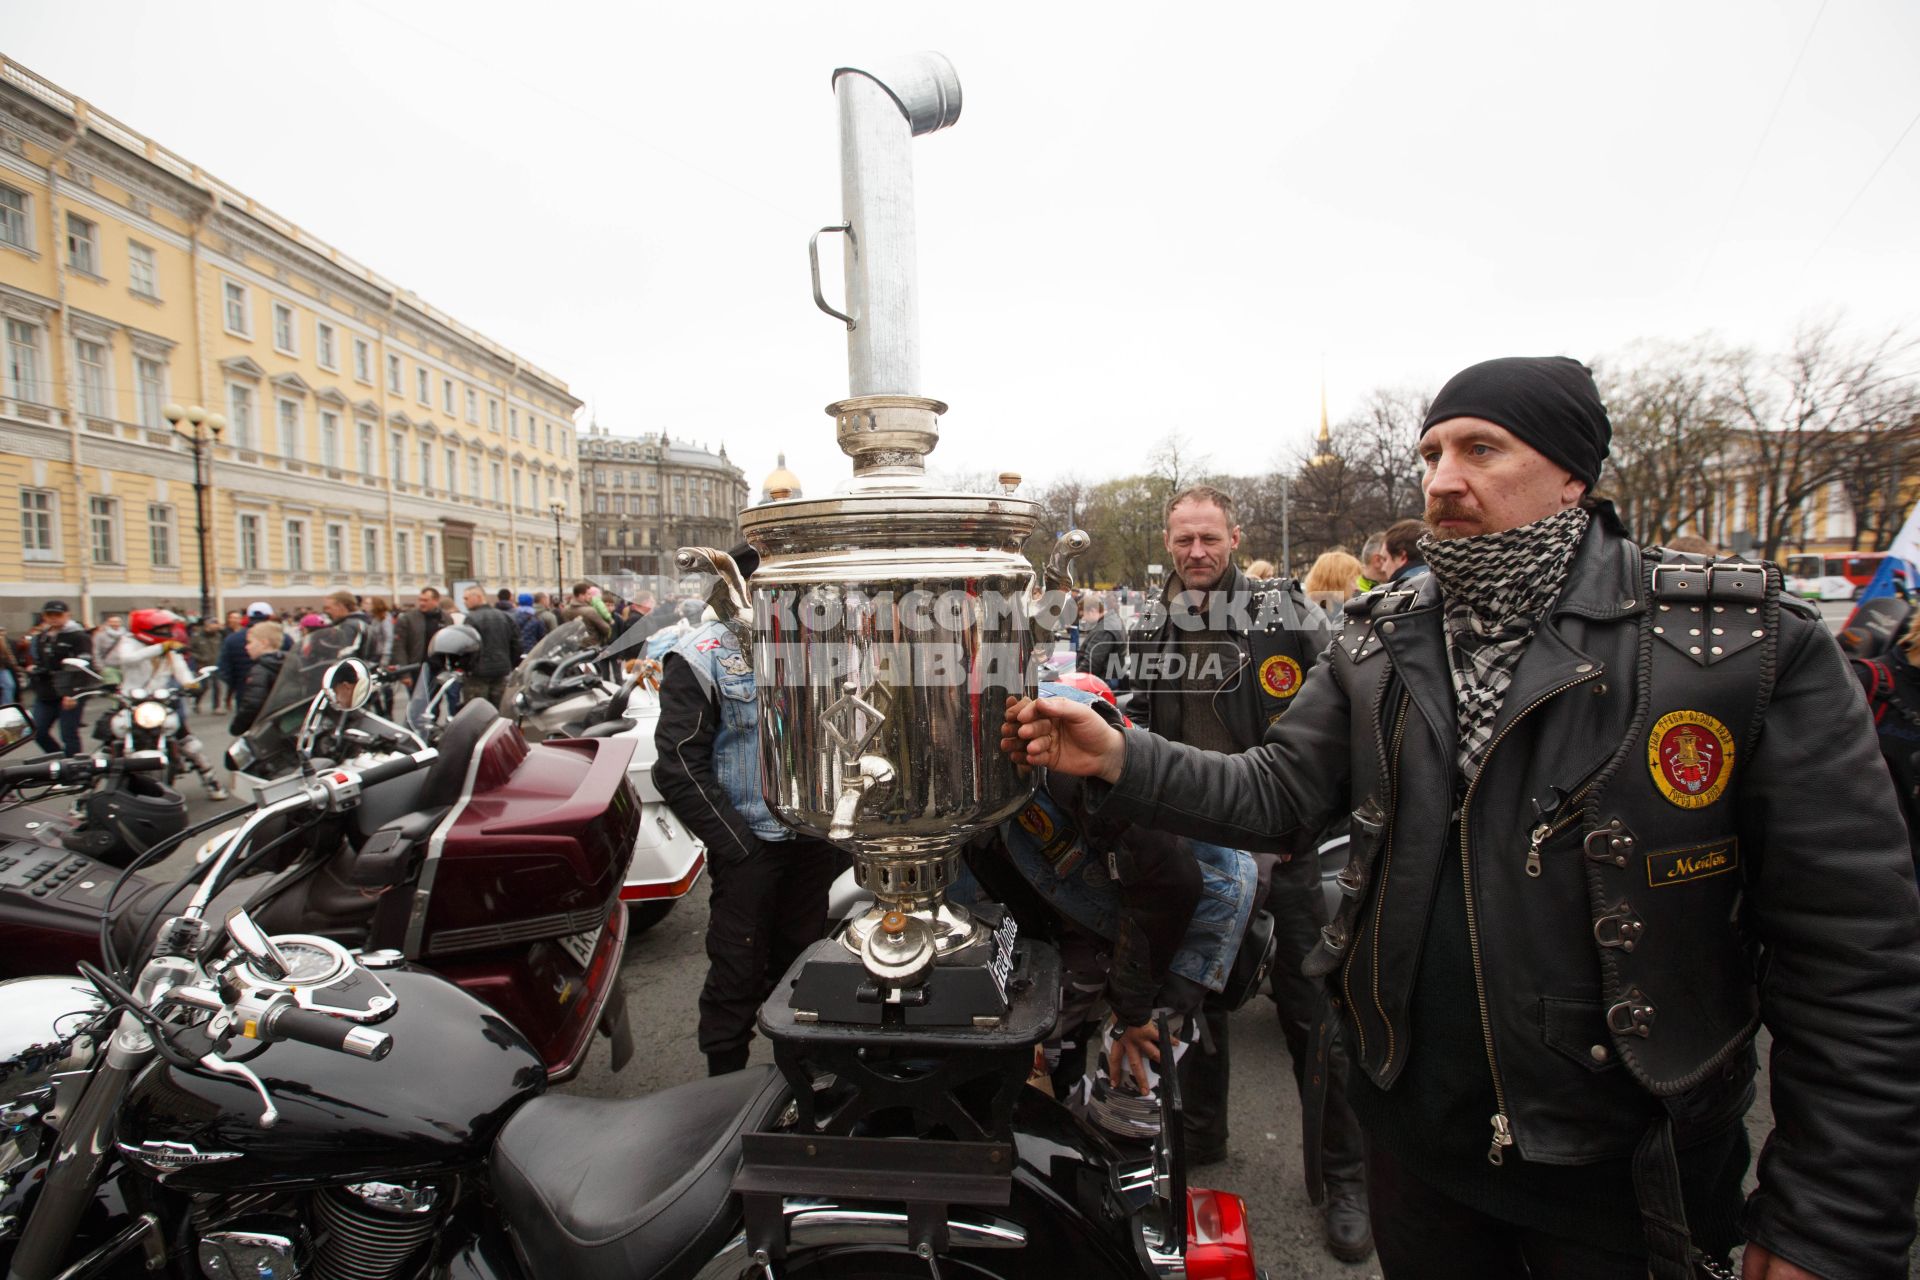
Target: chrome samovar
(892, 621)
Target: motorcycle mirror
(15, 727)
(246, 935)
(348, 684)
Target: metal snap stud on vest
(1387, 627)
(1584, 667)
(1695, 650)
(1599, 1053)
(1628, 603)
(1758, 634)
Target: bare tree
(1381, 444)
(1670, 405)
(1796, 415)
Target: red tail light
(1219, 1241)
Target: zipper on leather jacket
(1502, 1126)
(1548, 829)
(1389, 760)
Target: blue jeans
(9, 687)
(45, 713)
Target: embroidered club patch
(1280, 676)
(1677, 866)
(1035, 822)
(1691, 757)
(734, 664)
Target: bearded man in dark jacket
(1614, 808)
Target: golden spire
(1322, 443)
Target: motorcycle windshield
(537, 668)
(273, 732)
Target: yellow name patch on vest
(1678, 866)
(1690, 755)
(1280, 676)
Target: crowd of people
(230, 664)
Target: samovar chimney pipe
(883, 107)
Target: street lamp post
(559, 575)
(196, 424)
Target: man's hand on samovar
(1064, 735)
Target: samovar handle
(727, 596)
(1048, 612)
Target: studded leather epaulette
(1708, 608)
(1357, 637)
(1271, 599)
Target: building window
(83, 251)
(599, 475)
(493, 415)
(283, 335)
(426, 465)
(291, 429)
(95, 402)
(473, 406)
(363, 361)
(297, 546)
(336, 548)
(37, 524)
(513, 423)
(500, 558)
(103, 529)
(653, 504)
(370, 550)
(366, 449)
(494, 470)
(422, 387)
(520, 555)
(23, 362)
(150, 376)
(516, 486)
(446, 394)
(160, 533)
(549, 437)
(432, 549)
(403, 553)
(453, 472)
(397, 457)
(600, 504)
(13, 219)
(250, 543)
(394, 382)
(143, 270)
(323, 348)
(473, 476)
(240, 416)
(239, 309)
(330, 439)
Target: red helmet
(156, 626)
(1086, 682)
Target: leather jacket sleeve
(683, 765)
(1833, 904)
(1274, 798)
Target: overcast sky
(1149, 218)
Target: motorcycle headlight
(122, 723)
(150, 715)
(172, 724)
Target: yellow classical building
(370, 441)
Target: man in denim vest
(768, 894)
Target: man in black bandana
(1614, 807)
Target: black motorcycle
(237, 1104)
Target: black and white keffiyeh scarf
(1495, 588)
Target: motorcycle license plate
(581, 945)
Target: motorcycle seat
(605, 729)
(612, 1188)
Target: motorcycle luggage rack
(927, 1177)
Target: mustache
(1439, 509)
